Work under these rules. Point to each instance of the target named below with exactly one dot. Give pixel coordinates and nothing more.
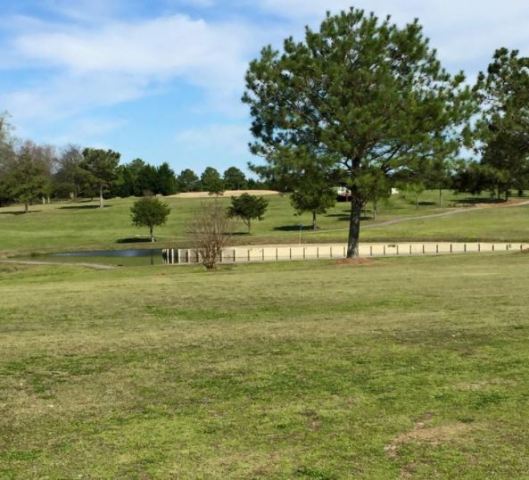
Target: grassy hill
(70, 226)
(404, 368)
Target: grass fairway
(73, 226)
(413, 368)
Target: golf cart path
(94, 266)
(396, 221)
(449, 213)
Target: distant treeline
(31, 173)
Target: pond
(131, 256)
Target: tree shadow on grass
(476, 200)
(339, 216)
(16, 212)
(82, 207)
(134, 240)
(342, 217)
(292, 228)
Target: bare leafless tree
(210, 231)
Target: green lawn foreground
(406, 368)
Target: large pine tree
(363, 96)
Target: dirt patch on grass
(355, 261)
(484, 385)
(423, 432)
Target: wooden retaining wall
(312, 252)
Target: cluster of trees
(210, 227)
(501, 135)
(366, 104)
(31, 172)
(213, 182)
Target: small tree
(29, 176)
(147, 182)
(502, 129)
(438, 175)
(313, 198)
(209, 232)
(149, 212)
(187, 181)
(101, 167)
(166, 180)
(211, 181)
(7, 156)
(69, 177)
(234, 179)
(376, 186)
(415, 190)
(247, 208)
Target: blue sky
(162, 79)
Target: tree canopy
(101, 168)
(502, 131)
(149, 212)
(211, 181)
(313, 191)
(248, 207)
(29, 176)
(234, 179)
(363, 96)
(188, 181)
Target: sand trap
(227, 193)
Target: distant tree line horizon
(32, 173)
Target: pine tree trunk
(353, 242)
(249, 226)
(441, 197)
(26, 207)
(314, 225)
(375, 209)
(101, 201)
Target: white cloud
(70, 95)
(102, 54)
(121, 61)
(463, 31)
(84, 10)
(169, 45)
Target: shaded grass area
(407, 368)
(74, 226)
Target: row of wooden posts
(248, 255)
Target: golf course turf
(399, 368)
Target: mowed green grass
(72, 226)
(414, 368)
